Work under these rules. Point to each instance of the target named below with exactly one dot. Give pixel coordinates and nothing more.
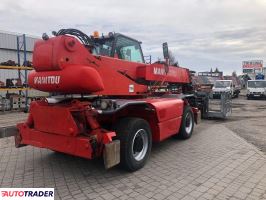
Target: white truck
(225, 86)
(256, 89)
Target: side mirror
(165, 51)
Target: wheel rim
(140, 144)
(189, 123)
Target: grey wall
(9, 41)
(8, 51)
(8, 46)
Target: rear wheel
(187, 124)
(135, 139)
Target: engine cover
(74, 79)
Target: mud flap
(18, 140)
(111, 154)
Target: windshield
(222, 84)
(120, 47)
(128, 49)
(256, 84)
(103, 47)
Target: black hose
(85, 39)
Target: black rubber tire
(126, 129)
(183, 134)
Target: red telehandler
(105, 100)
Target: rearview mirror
(165, 51)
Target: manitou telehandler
(105, 100)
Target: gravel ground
(248, 120)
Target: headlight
(104, 105)
(248, 91)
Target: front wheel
(187, 123)
(135, 140)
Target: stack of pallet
(17, 102)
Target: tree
(216, 70)
(234, 74)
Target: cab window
(128, 49)
(103, 47)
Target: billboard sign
(211, 74)
(252, 64)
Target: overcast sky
(201, 33)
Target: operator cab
(118, 46)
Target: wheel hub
(140, 144)
(188, 123)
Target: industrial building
(15, 50)
(9, 45)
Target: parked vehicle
(221, 86)
(108, 102)
(260, 76)
(256, 89)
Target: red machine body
(60, 67)
(116, 89)
(56, 127)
